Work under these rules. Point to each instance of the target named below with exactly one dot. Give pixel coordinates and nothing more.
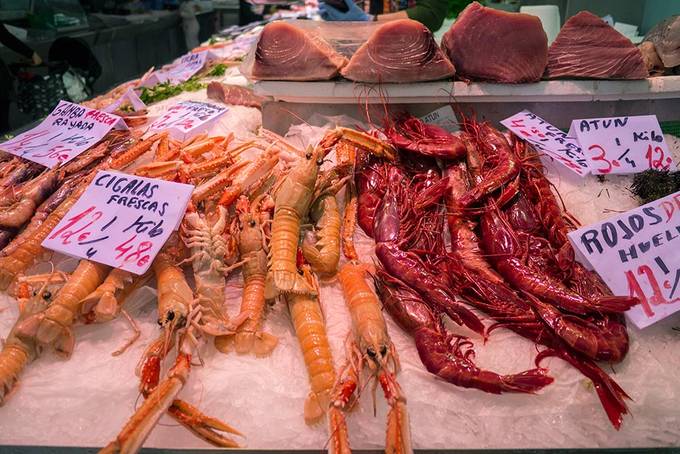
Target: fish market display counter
(290, 101)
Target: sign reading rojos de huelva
(121, 220)
(637, 253)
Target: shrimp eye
(252, 223)
(383, 351)
(160, 322)
(171, 315)
(319, 162)
(47, 295)
(371, 352)
(308, 155)
(300, 272)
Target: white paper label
(131, 96)
(636, 254)
(549, 139)
(188, 65)
(121, 220)
(187, 118)
(442, 117)
(68, 130)
(622, 144)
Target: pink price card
(549, 140)
(636, 254)
(68, 130)
(622, 145)
(187, 118)
(121, 220)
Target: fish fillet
(234, 95)
(399, 51)
(666, 39)
(284, 52)
(587, 47)
(497, 46)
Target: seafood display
(369, 285)
(285, 52)
(496, 46)
(400, 51)
(663, 43)
(588, 47)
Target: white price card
(187, 118)
(130, 96)
(622, 144)
(188, 65)
(67, 131)
(636, 254)
(549, 139)
(121, 220)
(442, 117)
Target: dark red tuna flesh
(284, 52)
(234, 95)
(399, 51)
(589, 48)
(496, 46)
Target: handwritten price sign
(549, 139)
(131, 97)
(66, 132)
(187, 118)
(622, 144)
(121, 220)
(183, 70)
(636, 253)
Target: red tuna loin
(493, 45)
(285, 52)
(587, 47)
(399, 51)
(234, 95)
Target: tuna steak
(285, 52)
(666, 39)
(587, 47)
(493, 45)
(234, 95)
(399, 51)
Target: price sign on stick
(622, 144)
(131, 96)
(66, 132)
(188, 65)
(549, 139)
(121, 220)
(187, 118)
(636, 254)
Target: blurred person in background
(10, 41)
(430, 13)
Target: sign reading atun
(637, 254)
(622, 144)
(68, 130)
(121, 220)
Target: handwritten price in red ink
(549, 140)
(635, 253)
(66, 132)
(120, 220)
(187, 118)
(622, 145)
